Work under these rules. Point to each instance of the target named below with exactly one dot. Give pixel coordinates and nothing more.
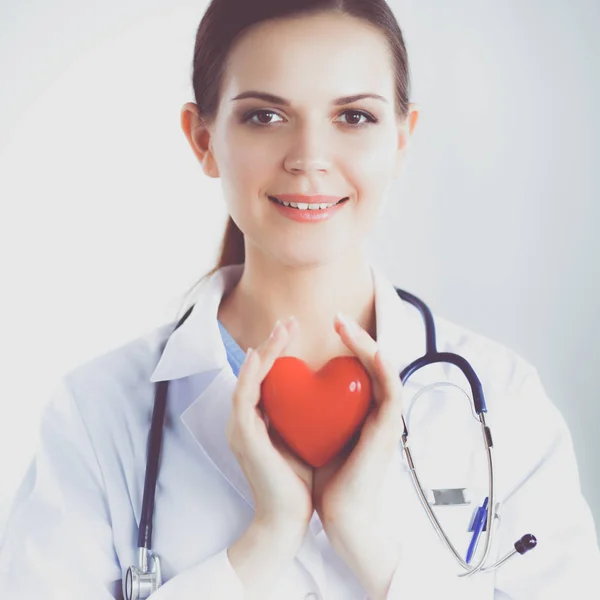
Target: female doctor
(237, 514)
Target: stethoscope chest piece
(141, 582)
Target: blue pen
(478, 526)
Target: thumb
(283, 447)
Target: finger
(393, 400)
(258, 363)
(275, 344)
(285, 450)
(246, 388)
(379, 367)
(358, 340)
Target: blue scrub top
(235, 354)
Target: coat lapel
(197, 347)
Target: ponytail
(232, 252)
(232, 248)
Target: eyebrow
(278, 100)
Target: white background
(107, 219)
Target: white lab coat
(72, 530)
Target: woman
(239, 515)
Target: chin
(295, 259)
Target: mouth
(307, 206)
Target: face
(304, 143)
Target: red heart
(316, 414)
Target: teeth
(306, 206)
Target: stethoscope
(146, 578)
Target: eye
(254, 113)
(370, 118)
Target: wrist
(260, 555)
(285, 533)
(370, 553)
(347, 528)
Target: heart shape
(316, 414)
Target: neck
(269, 290)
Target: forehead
(304, 58)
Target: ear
(405, 132)
(413, 116)
(198, 134)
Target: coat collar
(196, 347)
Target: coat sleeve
(58, 542)
(546, 501)
(536, 465)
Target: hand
(347, 488)
(281, 482)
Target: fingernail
(277, 323)
(350, 327)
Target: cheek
(372, 177)
(244, 175)
(244, 155)
(379, 162)
(251, 168)
(372, 156)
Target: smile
(308, 213)
(306, 206)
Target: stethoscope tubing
(432, 356)
(153, 454)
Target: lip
(315, 199)
(308, 215)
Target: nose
(301, 165)
(310, 150)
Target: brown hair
(226, 20)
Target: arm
(260, 555)
(388, 571)
(371, 555)
(58, 540)
(537, 479)
(545, 499)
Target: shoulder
(516, 398)
(527, 426)
(112, 392)
(126, 365)
(497, 365)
